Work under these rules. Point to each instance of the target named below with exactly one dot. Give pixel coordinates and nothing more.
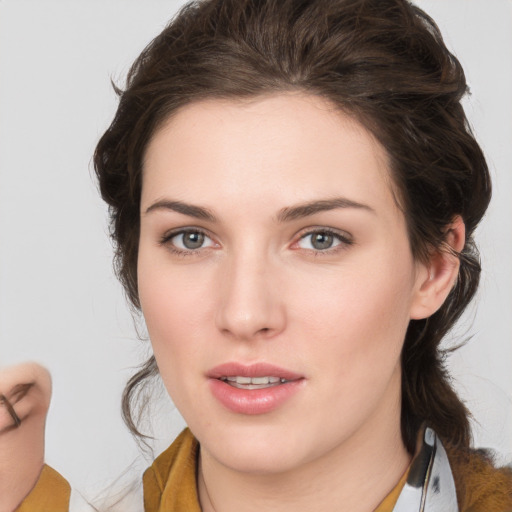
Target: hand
(25, 392)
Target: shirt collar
(430, 486)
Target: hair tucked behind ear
(382, 61)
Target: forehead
(284, 147)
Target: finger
(26, 390)
(10, 409)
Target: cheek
(172, 316)
(352, 333)
(345, 321)
(359, 318)
(171, 303)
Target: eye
(322, 240)
(188, 240)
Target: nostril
(264, 331)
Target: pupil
(322, 241)
(193, 240)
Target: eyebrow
(312, 207)
(285, 215)
(186, 209)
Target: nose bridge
(249, 303)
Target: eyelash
(167, 237)
(344, 240)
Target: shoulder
(481, 486)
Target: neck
(355, 476)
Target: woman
(293, 191)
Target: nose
(250, 304)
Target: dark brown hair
(383, 62)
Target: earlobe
(436, 278)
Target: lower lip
(255, 401)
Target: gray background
(59, 302)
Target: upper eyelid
(324, 229)
(187, 229)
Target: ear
(436, 277)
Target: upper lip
(234, 369)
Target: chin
(256, 449)
(268, 460)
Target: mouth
(262, 375)
(254, 389)
(251, 383)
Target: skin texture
(257, 290)
(22, 447)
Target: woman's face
(275, 277)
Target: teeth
(260, 380)
(253, 381)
